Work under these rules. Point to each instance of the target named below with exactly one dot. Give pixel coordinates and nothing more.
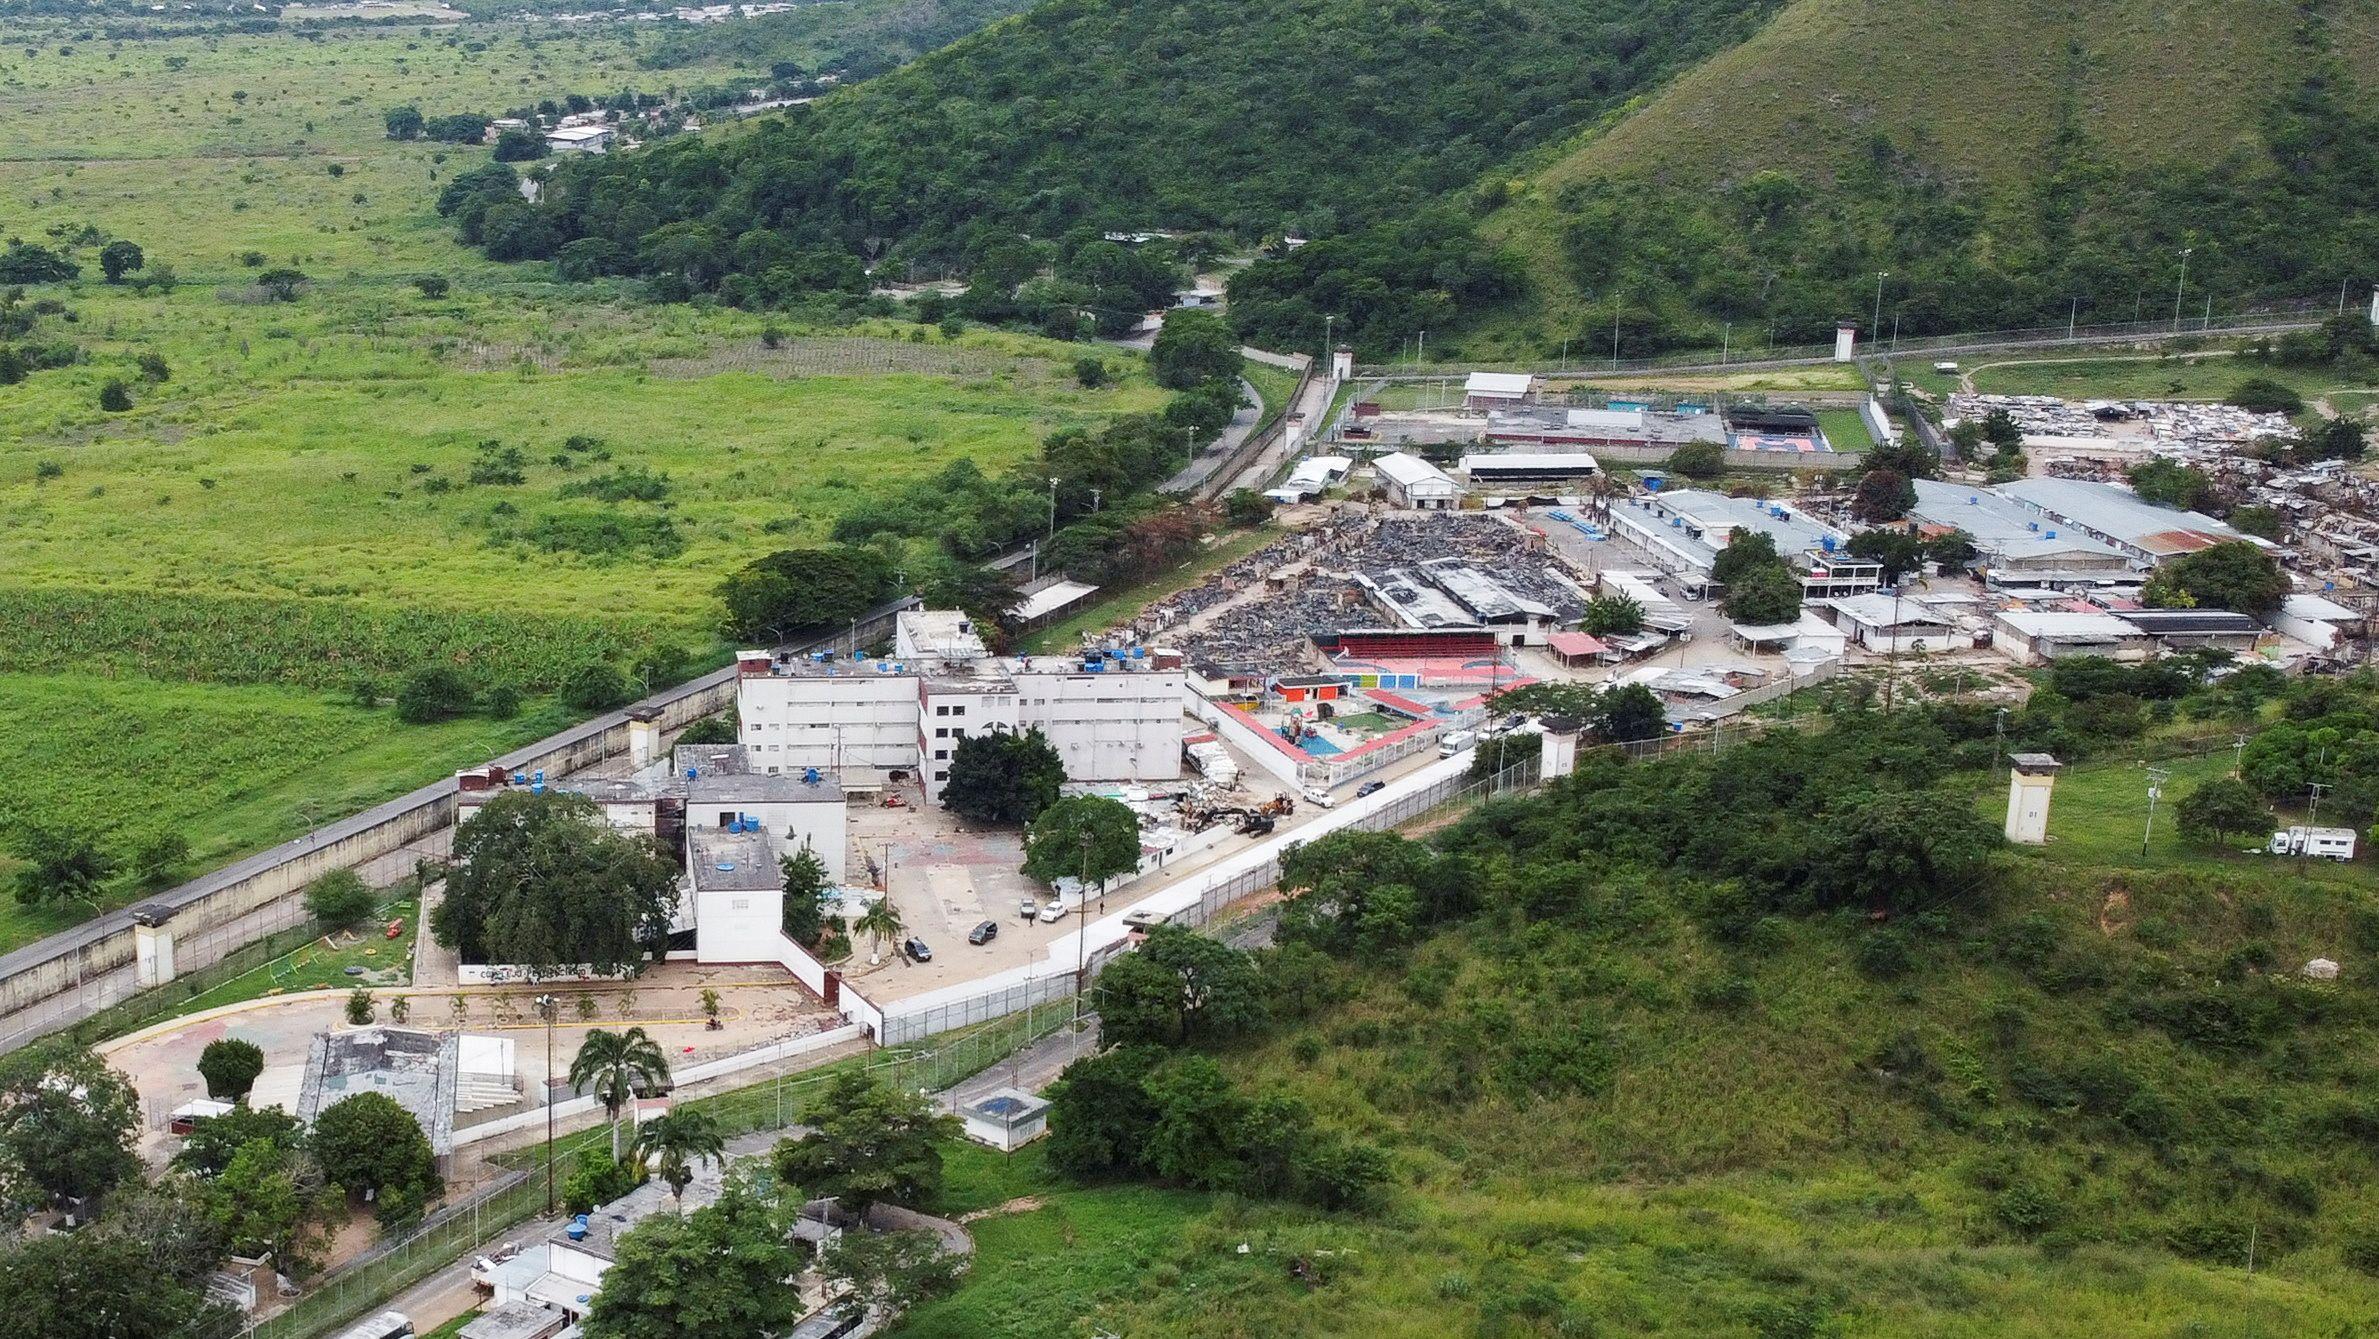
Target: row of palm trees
(671, 1145)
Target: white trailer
(2320, 843)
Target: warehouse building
(1410, 481)
(2016, 545)
(1685, 530)
(2114, 515)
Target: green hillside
(1286, 116)
(1778, 1042)
(2000, 158)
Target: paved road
(1032, 1069)
(1314, 404)
(1234, 435)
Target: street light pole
(1082, 933)
(547, 1005)
(1053, 506)
(2156, 776)
(2180, 288)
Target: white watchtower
(2028, 789)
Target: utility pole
(2072, 317)
(2156, 776)
(1082, 933)
(1615, 309)
(2179, 288)
(1329, 323)
(2238, 755)
(1726, 340)
(1095, 494)
(1053, 506)
(547, 1005)
(1877, 322)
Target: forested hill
(2001, 159)
(1256, 118)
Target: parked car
(1370, 788)
(916, 949)
(1053, 912)
(1028, 908)
(984, 933)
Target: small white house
(581, 139)
(1413, 482)
(1496, 390)
(1006, 1119)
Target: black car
(916, 950)
(984, 933)
(1370, 788)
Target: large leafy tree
(724, 1269)
(1904, 851)
(58, 864)
(1099, 1113)
(1086, 837)
(1745, 551)
(615, 1065)
(274, 1200)
(540, 881)
(2222, 807)
(1373, 890)
(101, 1284)
(371, 1147)
(1000, 776)
(1766, 595)
(1194, 347)
(230, 1066)
(2237, 576)
(870, 1142)
(1179, 989)
(892, 1271)
(214, 1139)
(806, 890)
(1882, 495)
(1627, 714)
(66, 1124)
(770, 598)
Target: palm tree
(615, 1065)
(881, 922)
(673, 1142)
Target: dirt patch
(2114, 914)
(1020, 1204)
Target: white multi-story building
(1111, 717)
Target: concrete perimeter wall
(75, 974)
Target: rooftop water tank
(2052, 534)
(810, 775)
(536, 788)
(691, 773)
(520, 778)
(578, 1227)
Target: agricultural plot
(412, 456)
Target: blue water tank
(538, 775)
(691, 773)
(1139, 653)
(578, 1227)
(520, 778)
(810, 775)
(536, 788)
(2052, 534)
(1828, 543)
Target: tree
(1193, 348)
(722, 1270)
(115, 395)
(1900, 551)
(341, 900)
(1369, 892)
(281, 284)
(2263, 395)
(881, 921)
(1953, 550)
(596, 685)
(773, 597)
(807, 890)
(403, 122)
(519, 146)
(1246, 508)
(1179, 989)
(1087, 837)
(673, 1143)
(1882, 495)
(1902, 851)
(272, 1199)
(433, 693)
(1698, 460)
(1000, 776)
(2168, 483)
(871, 1143)
(1099, 1113)
(616, 1065)
(890, 1272)
(119, 258)
(432, 286)
(22, 263)
(1627, 714)
(2221, 807)
(540, 881)
(2259, 521)
(230, 1066)
(1909, 456)
(1613, 616)
(1768, 595)
(66, 1125)
(1745, 551)
(2235, 575)
(58, 864)
(359, 1006)
(371, 1147)
(214, 1139)
(99, 1284)
(1194, 1138)
(2335, 439)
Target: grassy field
(1828, 377)
(2206, 376)
(231, 768)
(314, 460)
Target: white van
(1456, 742)
(2320, 843)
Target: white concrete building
(2316, 620)
(1111, 716)
(1489, 390)
(1892, 627)
(1410, 481)
(581, 139)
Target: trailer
(2318, 843)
